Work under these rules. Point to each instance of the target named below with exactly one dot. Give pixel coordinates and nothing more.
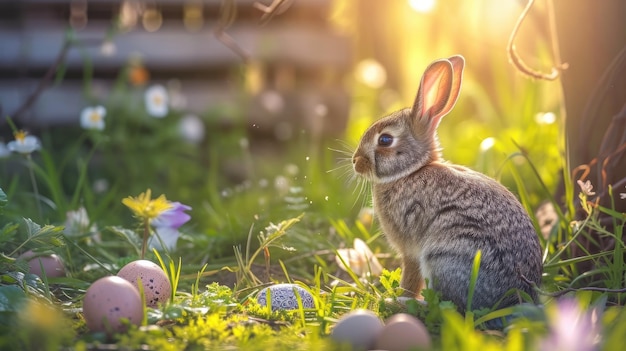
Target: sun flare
(422, 6)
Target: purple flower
(166, 226)
(174, 217)
(572, 328)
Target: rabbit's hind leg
(412, 279)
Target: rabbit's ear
(438, 91)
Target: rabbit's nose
(361, 164)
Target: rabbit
(438, 215)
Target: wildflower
(108, 48)
(174, 217)
(23, 143)
(622, 196)
(166, 226)
(157, 101)
(146, 208)
(77, 224)
(586, 187)
(191, 129)
(93, 118)
(572, 329)
(100, 186)
(360, 260)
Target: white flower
(191, 129)
(586, 187)
(4, 150)
(24, 144)
(77, 224)
(108, 48)
(157, 101)
(360, 259)
(93, 117)
(622, 196)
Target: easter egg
(358, 328)
(52, 264)
(283, 297)
(156, 285)
(403, 332)
(108, 302)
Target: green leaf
(11, 298)
(8, 232)
(3, 200)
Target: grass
(294, 241)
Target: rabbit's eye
(385, 140)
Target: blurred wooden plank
(215, 3)
(58, 10)
(319, 109)
(63, 103)
(173, 47)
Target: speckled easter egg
(283, 297)
(52, 264)
(108, 302)
(358, 328)
(156, 285)
(403, 332)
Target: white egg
(403, 332)
(156, 285)
(108, 302)
(52, 264)
(282, 297)
(358, 328)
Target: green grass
(295, 238)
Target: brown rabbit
(438, 215)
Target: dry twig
(517, 61)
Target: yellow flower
(146, 208)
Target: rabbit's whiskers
(345, 171)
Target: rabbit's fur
(438, 215)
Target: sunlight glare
(422, 6)
(371, 73)
(487, 143)
(545, 118)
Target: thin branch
(228, 14)
(228, 41)
(568, 290)
(275, 8)
(517, 61)
(43, 82)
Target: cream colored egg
(358, 328)
(52, 264)
(403, 332)
(156, 285)
(110, 301)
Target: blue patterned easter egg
(283, 297)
